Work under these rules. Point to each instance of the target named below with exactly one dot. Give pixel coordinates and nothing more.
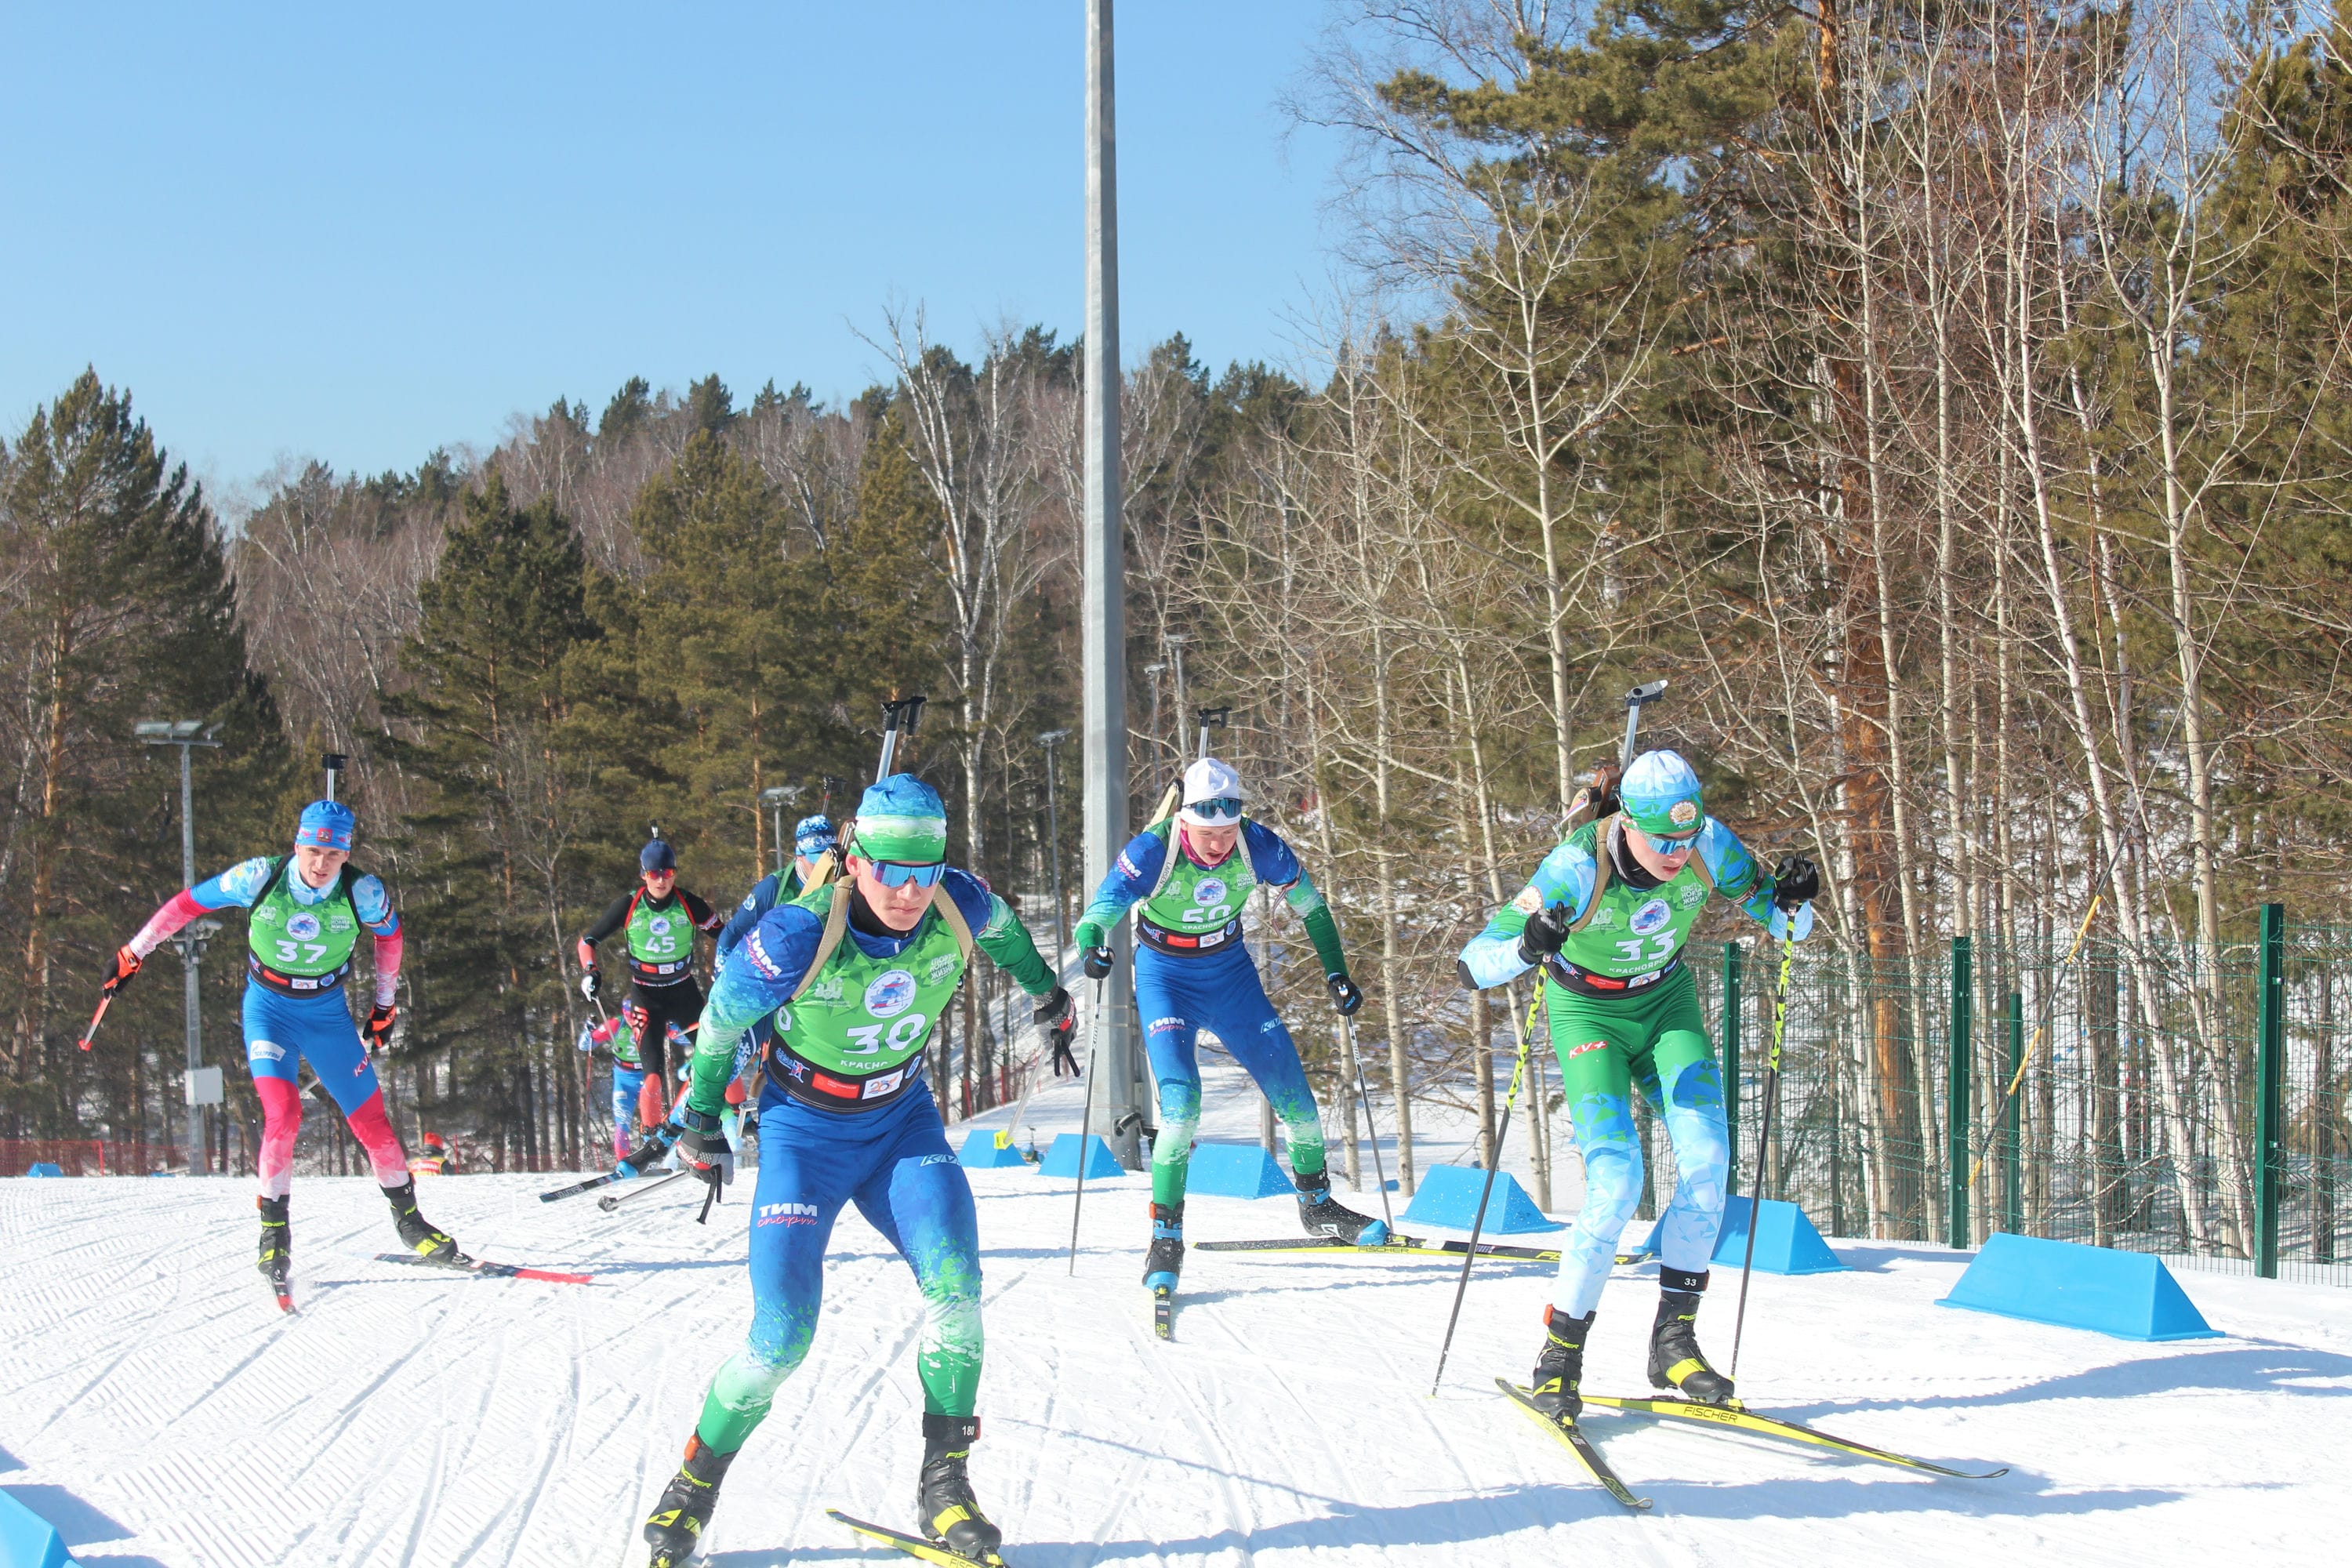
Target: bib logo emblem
(890, 994)
(1683, 813)
(1650, 917)
(302, 925)
(1690, 895)
(1209, 890)
(658, 925)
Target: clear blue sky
(356, 233)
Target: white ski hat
(1212, 794)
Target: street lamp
(1049, 740)
(187, 734)
(776, 796)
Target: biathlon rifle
(899, 715)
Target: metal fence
(2174, 1099)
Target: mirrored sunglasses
(1218, 812)
(899, 873)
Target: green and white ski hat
(901, 818)
(1661, 794)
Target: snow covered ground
(158, 1409)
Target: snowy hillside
(158, 1409)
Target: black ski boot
(417, 1231)
(1675, 1360)
(1165, 1261)
(943, 1499)
(276, 1262)
(675, 1527)
(1561, 1368)
(1322, 1215)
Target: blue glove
(1788, 927)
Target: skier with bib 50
(1605, 918)
(1187, 878)
(857, 975)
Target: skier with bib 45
(1187, 879)
(857, 975)
(657, 919)
(1605, 918)
(307, 910)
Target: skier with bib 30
(857, 973)
(307, 911)
(1605, 918)
(659, 919)
(1187, 878)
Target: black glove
(704, 1144)
(1054, 1014)
(1099, 962)
(126, 964)
(1545, 930)
(1796, 882)
(592, 984)
(1345, 996)
(379, 1026)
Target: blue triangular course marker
(44, 1168)
(1062, 1157)
(980, 1152)
(1786, 1242)
(2129, 1295)
(28, 1540)
(1235, 1170)
(1447, 1199)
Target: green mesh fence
(2139, 1114)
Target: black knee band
(1681, 1280)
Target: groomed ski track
(158, 1408)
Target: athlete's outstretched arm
(235, 887)
(754, 980)
(1563, 882)
(616, 915)
(1131, 881)
(1274, 863)
(1000, 933)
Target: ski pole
(105, 1000)
(1763, 1140)
(1371, 1132)
(1086, 1117)
(1462, 1286)
(2001, 1108)
(611, 1201)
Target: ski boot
(943, 1499)
(675, 1527)
(1165, 1261)
(1561, 1368)
(276, 1262)
(642, 1159)
(1675, 1360)
(1322, 1215)
(417, 1231)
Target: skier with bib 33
(1605, 918)
(308, 910)
(1187, 879)
(857, 975)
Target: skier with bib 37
(1187, 879)
(659, 919)
(857, 973)
(307, 911)
(1605, 918)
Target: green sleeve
(1007, 941)
(1088, 934)
(1324, 932)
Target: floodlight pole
(187, 734)
(1105, 573)
(775, 796)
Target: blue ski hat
(326, 825)
(901, 819)
(658, 856)
(1661, 794)
(813, 836)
